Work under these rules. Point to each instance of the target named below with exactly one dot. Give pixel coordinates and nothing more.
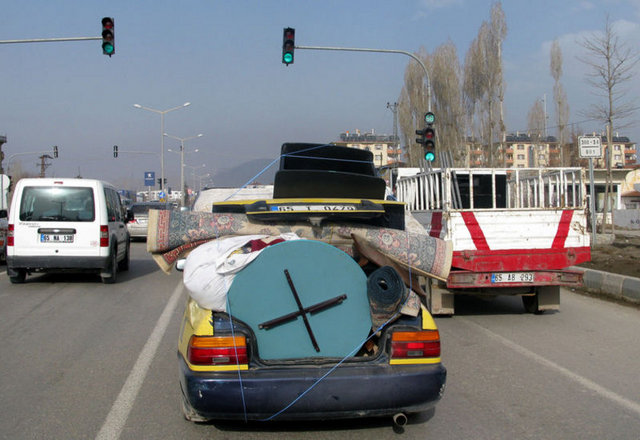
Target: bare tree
(446, 87)
(473, 88)
(560, 98)
(499, 33)
(412, 106)
(535, 121)
(483, 83)
(610, 64)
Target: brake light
(104, 236)
(217, 350)
(413, 345)
(10, 232)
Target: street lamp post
(162, 113)
(182, 160)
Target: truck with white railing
(515, 231)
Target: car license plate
(313, 208)
(56, 238)
(512, 277)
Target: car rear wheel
(110, 276)
(19, 277)
(124, 264)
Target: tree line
(468, 98)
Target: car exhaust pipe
(400, 420)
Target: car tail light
(217, 350)
(415, 345)
(104, 236)
(10, 232)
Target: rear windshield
(59, 204)
(145, 207)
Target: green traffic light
(429, 156)
(107, 48)
(287, 58)
(429, 118)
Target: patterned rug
(172, 234)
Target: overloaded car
(306, 305)
(137, 226)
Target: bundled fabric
(210, 268)
(387, 294)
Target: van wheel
(113, 269)
(124, 264)
(19, 277)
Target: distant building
(523, 151)
(385, 148)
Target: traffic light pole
(403, 52)
(49, 40)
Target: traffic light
(55, 151)
(288, 44)
(115, 151)
(108, 36)
(428, 139)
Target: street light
(162, 113)
(182, 160)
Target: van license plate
(512, 277)
(56, 238)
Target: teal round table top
(332, 292)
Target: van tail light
(10, 235)
(104, 236)
(217, 350)
(415, 345)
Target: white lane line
(121, 408)
(602, 391)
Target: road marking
(121, 408)
(602, 391)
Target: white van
(63, 224)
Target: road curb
(611, 284)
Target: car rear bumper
(348, 391)
(34, 263)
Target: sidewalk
(611, 284)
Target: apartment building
(385, 148)
(522, 151)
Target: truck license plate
(56, 238)
(512, 277)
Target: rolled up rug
(387, 293)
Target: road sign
(149, 178)
(590, 146)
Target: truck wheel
(113, 269)
(19, 277)
(530, 303)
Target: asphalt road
(84, 360)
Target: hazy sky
(224, 58)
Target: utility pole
(44, 164)
(394, 109)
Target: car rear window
(59, 204)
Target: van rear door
(58, 220)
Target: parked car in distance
(137, 226)
(65, 224)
